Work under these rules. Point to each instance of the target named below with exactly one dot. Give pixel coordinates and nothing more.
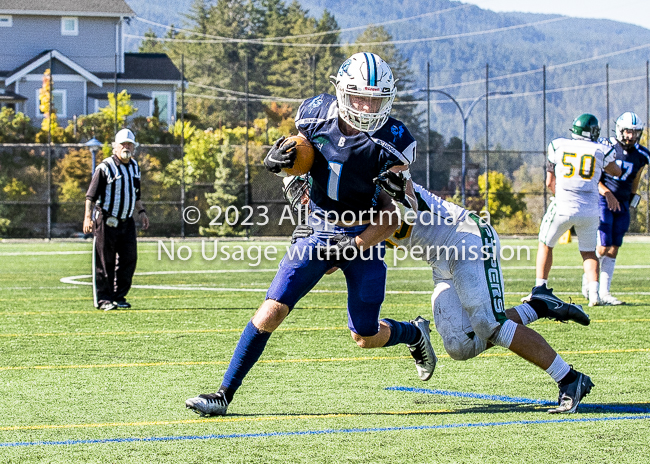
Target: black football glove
(280, 157)
(393, 184)
(339, 248)
(301, 231)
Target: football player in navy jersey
(356, 143)
(618, 194)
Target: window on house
(69, 26)
(162, 103)
(5, 21)
(59, 103)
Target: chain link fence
(42, 190)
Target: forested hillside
(516, 120)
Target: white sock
(558, 368)
(526, 313)
(593, 291)
(606, 273)
(539, 282)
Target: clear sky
(630, 11)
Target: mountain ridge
(518, 49)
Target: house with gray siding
(82, 42)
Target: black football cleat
(558, 309)
(572, 394)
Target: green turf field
(82, 385)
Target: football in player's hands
(281, 155)
(394, 184)
(304, 155)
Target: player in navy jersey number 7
(356, 143)
(618, 194)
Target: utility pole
(115, 92)
(607, 86)
(182, 144)
(428, 159)
(49, 155)
(487, 139)
(544, 136)
(647, 171)
(247, 167)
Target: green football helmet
(586, 126)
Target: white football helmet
(629, 121)
(365, 90)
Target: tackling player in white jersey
(575, 167)
(469, 311)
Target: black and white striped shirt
(115, 187)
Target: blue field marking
(480, 396)
(518, 400)
(320, 432)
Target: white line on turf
(74, 280)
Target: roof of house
(138, 67)
(9, 96)
(43, 57)
(133, 96)
(146, 66)
(67, 7)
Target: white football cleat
(611, 300)
(212, 404)
(596, 302)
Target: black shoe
(122, 304)
(572, 394)
(422, 351)
(558, 309)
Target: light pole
(94, 144)
(465, 116)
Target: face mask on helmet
(365, 90)
(586, 127)
(628, 129)
(295, 189)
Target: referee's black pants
(114, 258)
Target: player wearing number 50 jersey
(574, 170)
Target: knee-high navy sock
(249, 349)
(402, 332)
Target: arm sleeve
(136, 184)
(609, 155)
(550, 167)
(97, 185)
(550, 154)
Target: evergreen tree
(150, 44)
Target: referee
(111, 200)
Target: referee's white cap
(125, 135)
